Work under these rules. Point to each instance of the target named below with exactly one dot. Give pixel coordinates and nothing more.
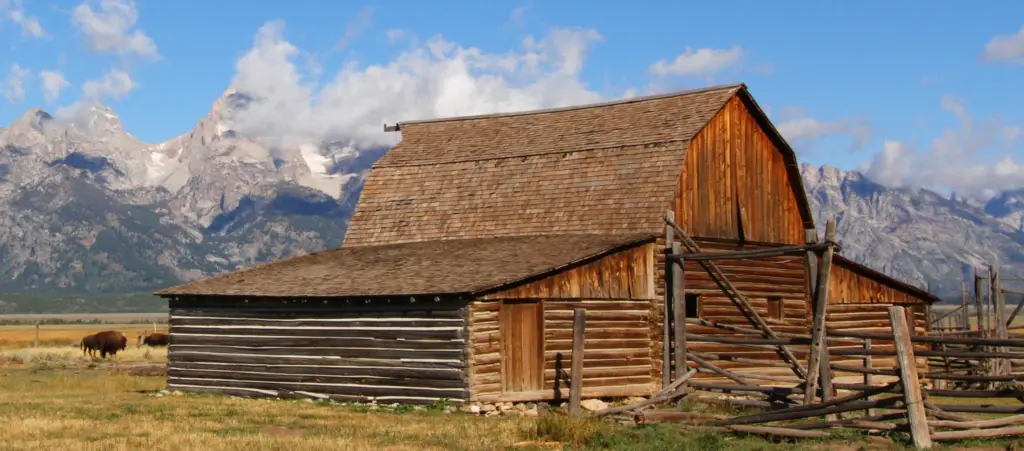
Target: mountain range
(86, 207)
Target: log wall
(873, 318)
(387, 350)
(736, 183)
(617, 355)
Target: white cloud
(112, 29)
(13, 85)
(53, 83)
(518, 15)
(434, 79)
(803, 132)
(954, 160)
(705, 61)
(15, 12)
(1005, 48)
(394, 35)
(113, 85)
(357, 26)
(891, 165)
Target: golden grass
(74, 407)
(115, 318)
(23, 336)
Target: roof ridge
(645, 145)
(585, 106)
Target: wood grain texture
(627, 274)
(385, 353)
(618, 356)
(736, 183)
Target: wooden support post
(965, 318)
(679, 314)
(1002, 365)
(666, 342)
(35, 344)
(579, 324)
(867, 374)
(978, 303)
(908, 378)
(818, 343)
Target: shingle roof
(604, 168)
(424, 268)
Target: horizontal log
(608, 372)
(411, 382)
(407, 371)
(322, 352)
(978, 424)
(982, 408)
(614, 391)
(551, 355)
(319, 342)
(778, 432)
(737, 388)
(289, 394)
(342, 389)
(333, 309)
(566, 345)
(589, 362)
(392, 322)
(936, 340)
(428, 333)
(557, 305)
(618, 315)
(199, 357)
(795, 414)
(599, 334)
(978, 433)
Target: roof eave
(484, 291)
(888, 280)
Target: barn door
(522, 346)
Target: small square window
(693, 309)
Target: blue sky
(911, 92)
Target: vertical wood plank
(679, 313)
(666, 371)
(980, 311)
(908, 378)
(818, 344)
(965, 319)
(1002, 364)
(579, 321)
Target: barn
(475, 238)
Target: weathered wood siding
(784, 278)
(622, 275)
(618, 291)
(394, 351)
(735, 183)
(873, 318)
(849, 284)
(617, 356)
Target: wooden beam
(818, 343)
(579, 324)
(977, 301)
(666, 341)
(739, 300)
(679, 313)
(1002, 365)
(908, 378)
(965, 318)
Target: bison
(89, 345)
(153, 339)
(109, 342)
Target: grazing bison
(109, 342)
(153, 339)
(89, 345)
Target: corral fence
(808, 384)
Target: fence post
(36, 343)
(867, 374)
(908, 377)
(666, 339)
(579, 324)
(679, 313)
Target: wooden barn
(476, 237)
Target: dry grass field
(24, 336)
(56, 398)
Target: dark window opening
(693, 306)
(776, 309)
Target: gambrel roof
(602, 168)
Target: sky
(910, 93)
